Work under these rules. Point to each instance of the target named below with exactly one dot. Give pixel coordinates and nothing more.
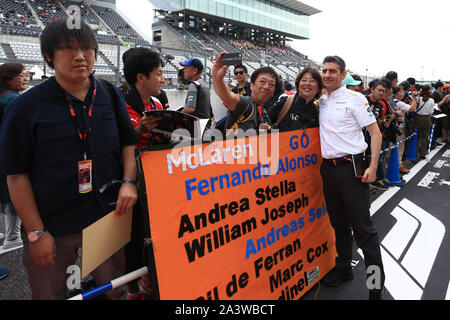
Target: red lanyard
(82, 134)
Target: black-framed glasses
(239, 72)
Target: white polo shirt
(343, 115)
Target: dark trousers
(134, 250)
(423, 125)
(381, 170)
(348, 204)
(137, 252)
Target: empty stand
(115, 21)
(29, 51)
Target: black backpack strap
(2, 110)
(107, 91)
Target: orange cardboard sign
(239, 219)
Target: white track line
(388, 194)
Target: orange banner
(239, 219)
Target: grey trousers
(51, 283)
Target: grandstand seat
(115, 21)
(86, 13)
(16, 12)
(48, 10)
(29, 51)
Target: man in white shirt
(343, 115)
(422, 121)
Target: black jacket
(299, 116)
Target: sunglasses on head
(239, 72)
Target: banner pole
(112, 284)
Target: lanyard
(82, 134)
(152, 104)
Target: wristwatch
(34, 236)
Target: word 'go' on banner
(238, 219)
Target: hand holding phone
(232, 59)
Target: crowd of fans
(276, 49)
(401, 108)
(16, 13)
(47, 10)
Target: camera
(181, 77)
(395, 128)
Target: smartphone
(360, 164)
(232, 59)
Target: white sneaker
(9, 244)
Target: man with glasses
(378, 91)
(61, 143)
(243, 86)
(244, 112)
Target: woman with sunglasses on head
(298, 111)
(13, 80)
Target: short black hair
(263, 70)
(411, 81)
(438, 84)
(57, 33)
(387, 82)
(392, 75)
(335, 59)
(240, 66)
(379, 83)
(140, 60)
(288, 86)
(425, 88)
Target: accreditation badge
(85, 176)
